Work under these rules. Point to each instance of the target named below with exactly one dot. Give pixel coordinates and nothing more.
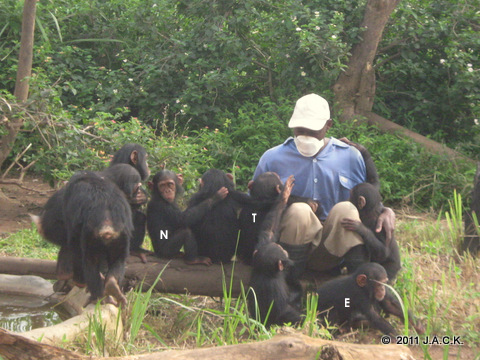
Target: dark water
(21, 313)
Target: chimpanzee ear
(278, 188)
(134, 157)
(280, 265)
(150, 185)
(361, 280)
(180, 178)
(250, 185)
(201, 182)
(361, 202)
(230, 176)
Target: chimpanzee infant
(216, 230)
(168, 226)
(368, 201)
(275, 292)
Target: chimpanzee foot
(63, 273)
(201, 260)
(141, 255)
(112, 289)
(63, 286)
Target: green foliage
(429, 80)
(212, 84)
(409, 174)
(27, 243)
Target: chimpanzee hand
(351, 224)
(386, 220)
(359, 147)
(313, 204)
(140, 197)
(287, 188)
(220, 194)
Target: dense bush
(212, 84)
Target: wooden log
(22, 266)
(177, 277)
(14, 346)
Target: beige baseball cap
(311, 112)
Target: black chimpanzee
(273, 289)
(217, 230)
(361, 295)
(264, 192)
(51, 222)
(99, 224)
(355, 294)
(368, 201)
(136, 156)
(168, 226)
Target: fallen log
(176, 276)
(13, 346)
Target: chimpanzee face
(379, 289)
(167, 189)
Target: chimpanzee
(136, 156)
(368, 201)
(51, 226)
(357, 293)
(273, 289)
(99, 224)
(371, 169)
(217, 230)
(264, 192)
(168, 226)
(51, 223)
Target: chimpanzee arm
(377, 249)
(390, 305)
(289, 315)
(372, 173)
(193, 214)
(379, 322)
(272, 220)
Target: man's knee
(298, 213)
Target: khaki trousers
(329, 242)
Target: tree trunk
(355, 88)
(14, 346)
(390, 126)
(471, 241)
(14, 123)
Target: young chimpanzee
(168, 226)
(273, 289)
(264, 192)
(355, 294)
(216, 231)
(98, 220)
(368, 201)
(51, 223)
(136, 156)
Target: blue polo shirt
(326, 177)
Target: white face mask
(308, 145)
